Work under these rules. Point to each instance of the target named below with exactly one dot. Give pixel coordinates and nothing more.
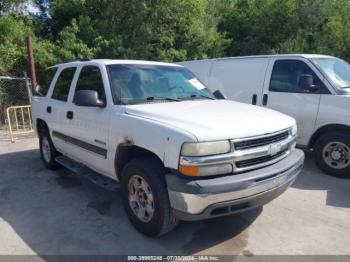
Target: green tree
(13, 30)
(14, 6)
(257, 26)
(334, 39)
(140, 29)
(170, 30)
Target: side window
(63, 83)
(44, 81)
(90, 79)
(286, 77)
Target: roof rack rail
(76, 60)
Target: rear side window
(90, 79)
(44, 81)
(286, 76)
(63, 83)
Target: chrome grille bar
(256, 142)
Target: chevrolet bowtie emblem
(274, 149)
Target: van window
(90, 79)
(63, 83)
(44, 81)
(336, 70)
(286, 77)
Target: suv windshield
(134, 84)
(336, 70)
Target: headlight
(206, 148)
(203, 149)
(294, 130)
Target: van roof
(307, 56)
(114, 61)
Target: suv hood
(214, 119)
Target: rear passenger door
(88, 126)
(282, 93)
(58, 105)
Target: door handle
(254, 99)
(49, 109)
(265, 99)
(70, 115)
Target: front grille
(247, 144)
(259, 160)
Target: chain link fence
(14, 91)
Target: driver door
(282, 92)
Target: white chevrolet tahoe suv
(178, 151)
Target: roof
(115, 61)
(307, 56)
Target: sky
(31, 8)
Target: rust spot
(127, 141)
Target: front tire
(145, 197)
(332, 153)
(48, 151)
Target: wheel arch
(125, 153)
(325, 129)
(41, 125)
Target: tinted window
(286, 77)
(90, 79)
(44, 81)
(63, 83)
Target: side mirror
(306, 83)
(88, 98)
(219, 95)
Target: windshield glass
(134, 84)
(336, 70)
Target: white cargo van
(314, 89)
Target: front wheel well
(41, 125)
(326, 129)
(125, 153)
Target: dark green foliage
(287, 26)
(169, 30)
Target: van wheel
(332, 153)
(48, 151)
(145, 197)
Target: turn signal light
(189, 170)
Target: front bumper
(207, 198)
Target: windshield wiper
(199, 96)
(152, 98)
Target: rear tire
(145, 197)
(48, 151)
(332, 154)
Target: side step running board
(94, 177)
